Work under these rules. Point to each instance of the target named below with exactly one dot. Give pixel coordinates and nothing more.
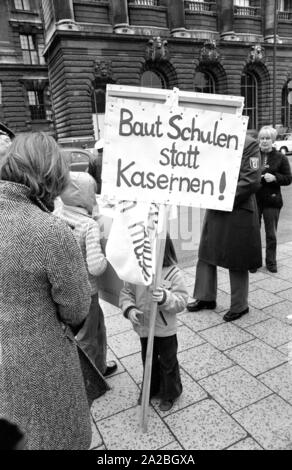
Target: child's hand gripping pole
(161, 237)
(158, 295)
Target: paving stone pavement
(237, 377)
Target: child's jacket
(140, 297)
(78, 202)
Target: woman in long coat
(276, 172)
(44, 297)
(231, 240)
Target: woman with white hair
(276, 172)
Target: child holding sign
(135, 302)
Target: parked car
(89, 160)
(283, 143)
(78, 158)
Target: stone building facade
(223, 46)
(25, 103)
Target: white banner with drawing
(131, 244)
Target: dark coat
(44, 291)
(232, 239)
(269, 194)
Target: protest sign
(172, 154)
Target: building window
(22, 4)
(246, 8)
(204, 83)
(36, 105)
(29, 49)
(146, 2)
(152, 80)
(241, 3)
(284, 9)
(249, 90)
(198, 5)
(284, 5)
(286, 108)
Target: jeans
(271, 218)
(165, 375)
(92, 336)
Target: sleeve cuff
(127, 311)
(163, 299)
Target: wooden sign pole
(148, 362)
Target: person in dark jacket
(231, 240)
(276, 172)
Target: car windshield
(77, 157)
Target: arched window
(204, 83)
(98, 109)
(249, 89)
(152, 80)
(286, 108)
(98, 100)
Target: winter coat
(269, 194)
(232, 239)
(140, 297)
(44, 291)
(78, 204)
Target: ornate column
(64, 10)
(225, 18)
(64, 14)
(269, 9)
(120, 16)
(7, 54)
(176, 17)
(4, 22)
